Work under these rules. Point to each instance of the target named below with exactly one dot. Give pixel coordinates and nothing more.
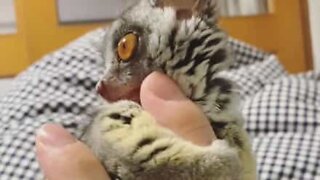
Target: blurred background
(30, 29)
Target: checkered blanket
(282, 111)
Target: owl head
(145, 38)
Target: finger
(63, 157)
(161, 97)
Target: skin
(63, 157)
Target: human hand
(163, 99)
(63, 157)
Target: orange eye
(127, 46)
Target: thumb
(161, 97)
(63, 157)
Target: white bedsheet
(4, 86)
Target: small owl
(188, 46)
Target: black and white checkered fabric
(245, 54)
(282, 111)
(284, 119)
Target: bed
(282, 111)
(4, 85)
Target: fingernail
(54, 136)
(163, 87)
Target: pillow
(245, 54)
(284, 118)
(254, 76)
(288, 156)
(289, 104)
(60, 88)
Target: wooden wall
(13, 50)
(284, 32)
(39, 33)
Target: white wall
(90, 10)
(314, 9)
(5, 85)
(7, 17)
(243, 7)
